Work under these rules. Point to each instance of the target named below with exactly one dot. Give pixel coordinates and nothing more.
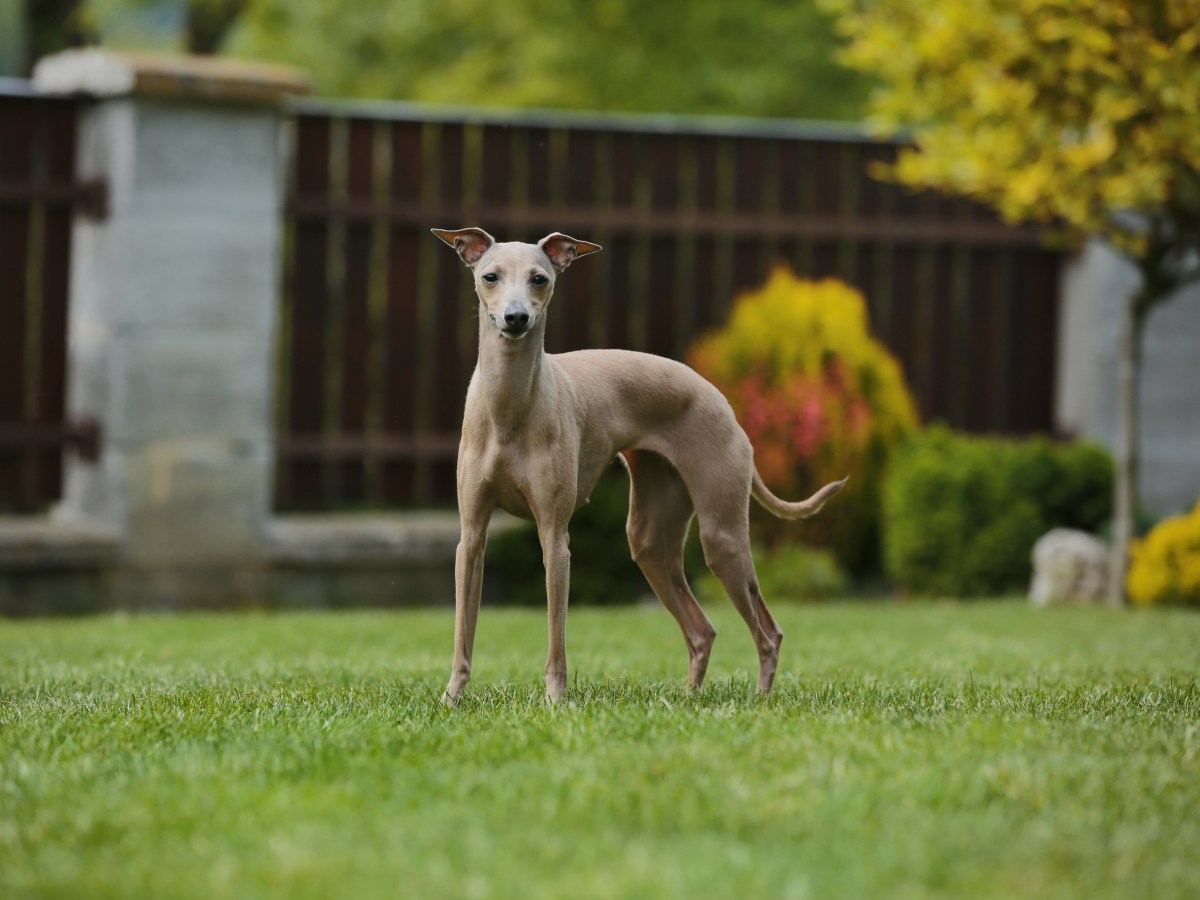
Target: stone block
(1069, 567)
(351, 587)
(210, 270)
(94, 493)
(175, 587)
(197, 501)
(32, 544)
(171, 387)
(205, 156)
(110, 73)
(57, 592)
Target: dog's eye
(491, 278)
(539, 279)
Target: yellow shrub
(1165, 566)
(818, 397)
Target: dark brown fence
(379, 317)
(37, 198)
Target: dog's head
(514, 280)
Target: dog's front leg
(557, 558)
(468, 586)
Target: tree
(209, 23)
(51, 26)
(1078, 113)
(756, 57)
(54, 25)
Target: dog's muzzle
(516, 322)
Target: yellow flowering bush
(819, 399)
(1165, 565)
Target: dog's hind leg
(660, 512)
(724, 533)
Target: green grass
(909, 751)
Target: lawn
(909, 751)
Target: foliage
(758, 57)
(987, 751)
(51, 26)
(210, 21)
(754, 58)
(786, 572)
(1064, 111)
(961, 514)
(1165, 565)
(819, 399)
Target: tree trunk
(1127, 439)
(1125, 448)
(209, 23)
(53, 25)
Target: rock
(1069, 567)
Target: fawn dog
(539, 430)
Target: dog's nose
(516, 317)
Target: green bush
(786, 572)
(602, 572)
(961, 514)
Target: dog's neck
(511, 372)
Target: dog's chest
(513, 502)
(506, 473)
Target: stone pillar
(173, 316)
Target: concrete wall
(173, 326)
(1095, 284)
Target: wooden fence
(379, 320)
(38, 196)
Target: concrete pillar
(173, 315)
(1095, 287)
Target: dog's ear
(562, 249)
(469, 243)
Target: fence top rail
(655, 123)
(658, 123)
(17, 87)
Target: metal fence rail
(379, 319)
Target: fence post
(173, 316)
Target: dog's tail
(801, 509)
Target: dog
(539, 430)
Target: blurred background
(761, 59)
(283, 402)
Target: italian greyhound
(539, 430)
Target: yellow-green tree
(1083, 114)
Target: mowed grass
(908, 751)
